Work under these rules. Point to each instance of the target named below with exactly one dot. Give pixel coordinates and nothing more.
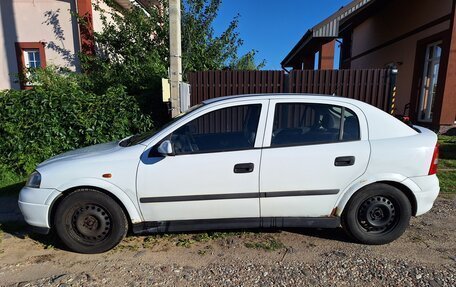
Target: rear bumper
(35, 205)
(429, 190)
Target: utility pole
(175, 55)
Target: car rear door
(215, 170)
(313, 150)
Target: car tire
(377, 214)
(89, 221)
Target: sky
(274, 27)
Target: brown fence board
(310, 82)
(345, 83)
(375, 88)
(257, 83)
(388, 90)
(369, 86)
(357, 84)
(245, 82)
(381, 90)
(234, 87)
(362, 92)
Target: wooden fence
(212, 84)
(373, 86)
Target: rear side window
(351, 126)
(305, 123)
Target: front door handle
(344, 161)
(243, 167)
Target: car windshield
(139, 138)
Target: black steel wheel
(89, 221)
(377, 214)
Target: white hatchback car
(253, 161)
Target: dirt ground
(424, 256)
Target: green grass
(267, 244)
(10, 182)
(208, 236)
(186, 240)
(447, 147)
(447, 164)
(447, 181)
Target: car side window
(351, 126)
(308, 123)
(227, 129)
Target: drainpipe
(86, 40)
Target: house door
(429, 81)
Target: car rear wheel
(377, 214)
(89, 221)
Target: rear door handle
(243, 167)
(344, 161)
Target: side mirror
(166, 148)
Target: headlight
(34, 180)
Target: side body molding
(129, 203)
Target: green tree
(202, 49)
(132, 48)
(247, 62)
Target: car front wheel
(89, 221)
(377, 214)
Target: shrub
(59, 115)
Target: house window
(32, 58)
(30, 55)
(429, 81)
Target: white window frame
(27, 64)
(428, 84)
(36, 56)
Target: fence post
(393, 91)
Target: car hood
(94, 150)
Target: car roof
(278, 96)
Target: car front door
(214, 172)
(313, 150)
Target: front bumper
(35, 205)
(429, 190)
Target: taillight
(435, 161)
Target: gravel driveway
(424, 256)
